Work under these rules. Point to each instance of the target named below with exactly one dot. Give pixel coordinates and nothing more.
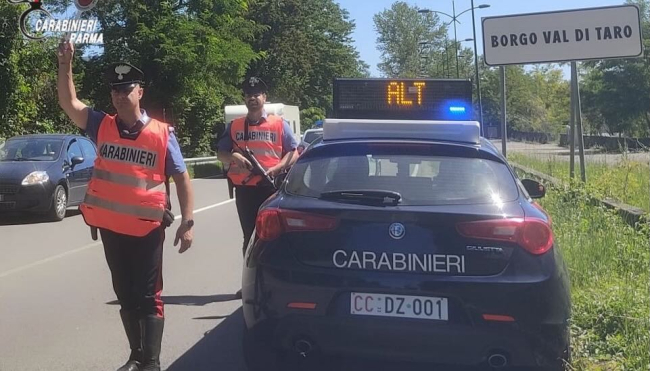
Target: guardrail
(201, 160)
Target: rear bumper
(399, 340)
(538, 337)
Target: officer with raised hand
(271, 141)
(128, 200)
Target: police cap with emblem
(254, 85)
(119, 74)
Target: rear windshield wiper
(374, 197)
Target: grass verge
(609, 265)
(626, 181)
(205, 170)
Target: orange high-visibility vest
(264, 140)
(126, 193)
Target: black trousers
(249, 200)
(136, 270)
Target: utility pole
(478, 79)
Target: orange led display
(420, 85)
(401, 98)
(394, 91)
(398, 93)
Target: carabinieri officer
(128, 200)
(270, 139)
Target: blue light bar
(454, 109)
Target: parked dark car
(45, 173)
(423, 248)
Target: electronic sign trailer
(403, 99)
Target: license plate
(401, 306)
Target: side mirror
(76, 160)
(534, 189)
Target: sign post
(504, 126)
(578, 114)
(563, 36)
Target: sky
(365, 36)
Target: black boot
(132, 329)
(152, 331)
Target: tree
(305, 45)
(615, 92)
(309, 116)
(536, 100)
(194, 57)
(555, 94)
(28, 76)
(401, 31)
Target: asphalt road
(58, 310)
(548, 151)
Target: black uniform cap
(123, 74)
(254, 85)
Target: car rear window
(420, 178)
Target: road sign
(572, 35)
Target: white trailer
(289, 113)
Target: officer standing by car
(271, 141)
(128, 200)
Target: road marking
(206, 208)
(55, 257)
(47, 260)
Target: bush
(608, 263)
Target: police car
(404, 235)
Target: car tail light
(532, 234)
(268, 225)
(271, 223)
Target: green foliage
(626, 180)
(30, 103)
(615, 92)
(193, 57)
(309, 116)
(401, 32)
(194, 54)
(205, 170)
(608, 267)
(536, 100)
(305, 45)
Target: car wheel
(59, 204)
(259, 356)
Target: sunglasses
(253, 95)
(123, 88)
